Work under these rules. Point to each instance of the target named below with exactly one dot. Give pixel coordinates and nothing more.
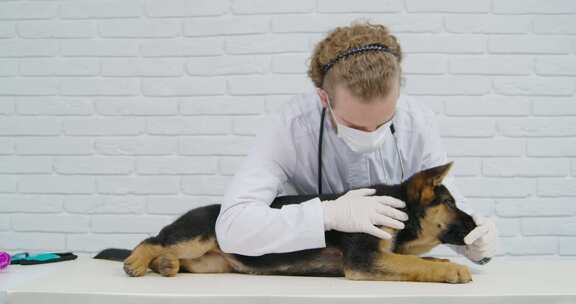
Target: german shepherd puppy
(189, 244)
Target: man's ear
(323, 96)
(421, 185)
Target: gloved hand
(480, 242)
(355, 211)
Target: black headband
(369, 47)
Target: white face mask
(362, 141)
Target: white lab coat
(284, 160)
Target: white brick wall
(117, 116)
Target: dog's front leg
(398, 267)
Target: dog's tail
(113, 254)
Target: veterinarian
(360, 131)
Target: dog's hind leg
(137, 263)
(165, 259)
(211, 262)
(166, 264)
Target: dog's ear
(421, 185)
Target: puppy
(189, 244)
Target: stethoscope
(392, 129)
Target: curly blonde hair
(366, 75)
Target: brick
(534, 207)
(29, 126)
(50, 223)
(145, 145)
(508, 227)
(103, 204)
(12, 203)
(182, 47)
(96, 242)
(53, 146)
(273, 84)
(424, 64)
(136, 106)
(555, 187)
(528, 45)
(508, 167)
(32, 241)
(533, 7)
(131, 67)
(267, 7)
(466, 127)
(215, 145)
(290, 64)
(27, 10)
(184, 8)
(28, 48)
(128, 223)
(229, 25)
(101, 86)
(491, 65)
(556, 65)
(222, 105)
(103, 126)
(138, 185)
(99, 48)
(228, 65)
(413, 23)
(7, 29)
(449, 44)
(362, 6)
(446, 85)
(537, 245)
(547, 226)
(100, 9)
(176, 165)
(533, 86)
(487, 24)
(59, 67)
(448, 6)
(537, 127)
(139, 28)
(93, 165)
(553, 106)
(554, 147)
(496, 187)
(56, 184)
(29, 86)
(52, 29)
(27, 164)
(178, 205)
(196, 125)
(556, 24)
(205, 184)
(189, 86)
(265, 44)
(487, 106)
(567, 246)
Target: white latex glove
(480, 242)
(355, 211)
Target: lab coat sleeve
(247, 224)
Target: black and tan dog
(189, 243)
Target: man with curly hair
(372, 135)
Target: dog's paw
(168, 265)
(455, 273)
(135, 267)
